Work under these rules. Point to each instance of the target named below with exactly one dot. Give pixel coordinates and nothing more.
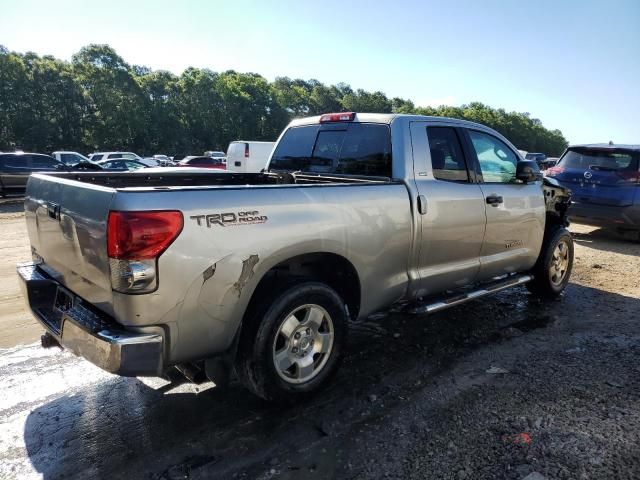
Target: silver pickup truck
(261, 274)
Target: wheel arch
(330, 268)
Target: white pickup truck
(259, 273)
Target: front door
(515, 211)
(452, 209)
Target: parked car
(97, 156)
(548, 163)
(263, 273)
(69, 158)
(605, 181)
(121, 165)
(202, 162)
(216, 154)
(536, 157)
(164, 160)
(248, 156)
(16, 167)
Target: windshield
(353, 148)
(594, 159)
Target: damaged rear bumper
(88, 332)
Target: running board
(455, 300)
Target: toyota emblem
(588, 174)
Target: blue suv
(605, 183)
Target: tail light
(629, 177)
(246, 150)
(135, 241)
(553, 171)
(338, 117)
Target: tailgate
(602, 176)
(67, 224)
(600, 188)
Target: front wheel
(552, 270)
(293, 343)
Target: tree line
(99, 102)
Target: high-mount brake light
(246, 150)
(338, 117)
(135, 240)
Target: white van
(248, 157)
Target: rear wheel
(293, 344)
(552, 270)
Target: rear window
(354, 148)
(600, 160)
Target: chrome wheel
(559, 263)
(303, 344)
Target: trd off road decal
(229, 219)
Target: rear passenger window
(42, 162)
(447, 159)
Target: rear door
(236, 160)
(451, 208)
(601, 176)
(515, 211)
(15, 171)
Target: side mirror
(528, 171)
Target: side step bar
(487, 289)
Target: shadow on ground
(608, 241)
(12, 205)
(122, 428)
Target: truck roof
(389, 118)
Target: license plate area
(64, 300)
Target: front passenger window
(497, 161)
(447, 159)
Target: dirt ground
(17, 326)
(502, 387)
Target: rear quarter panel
(208, 275)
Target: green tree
(115, 118)
(366, 102)
(98, 101)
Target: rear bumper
(89, 333)
(605, 215)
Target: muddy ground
(503, 387)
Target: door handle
(422, 204)
(494, 200)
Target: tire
(552, 271)
(292, 342)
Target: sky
(574, 64)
